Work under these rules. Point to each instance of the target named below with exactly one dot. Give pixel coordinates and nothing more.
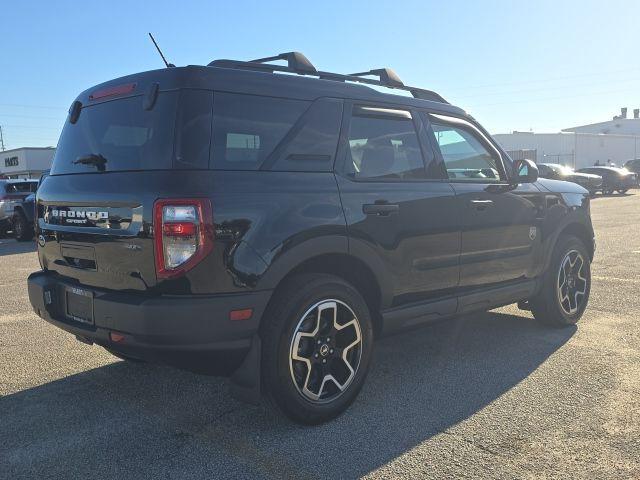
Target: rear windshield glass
(125, 136)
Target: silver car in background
(12, 193)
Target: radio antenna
(160, 52)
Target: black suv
(269, 221)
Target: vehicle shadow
(131, 420)
(9, 246)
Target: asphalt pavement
(492, 395)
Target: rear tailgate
(92, 228)
(125, 144)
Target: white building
(617, 140)
(619, 125)
(26, 162)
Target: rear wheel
(317, 344)
(22, 231)
(566, 284)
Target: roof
(225, 75)
(619, 126)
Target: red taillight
(179, 229)
(184, 234)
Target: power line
(531, 100)
(29, 116)
(545, 89)
(31, 126)
(31, 106)
(546, 80)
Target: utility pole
(1, 139)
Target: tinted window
(384, 147)
(193, 133)
(314, 140)
(26, 187)
(465, 157)
(126, 135)
(247, 128)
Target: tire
(22, 231)
(622, 191)
(553, 305)
(304, 394)
(123, 356)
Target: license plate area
(79, 305)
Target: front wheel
(317, 344)
(565, 285)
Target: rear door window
(383, 144)
(248, 128)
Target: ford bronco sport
(268, 221)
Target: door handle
(481, 204)
(380, 209)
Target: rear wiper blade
(97, 161)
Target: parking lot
(490, 395)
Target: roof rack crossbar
(295, 61)
(386, 76)
(299, 64)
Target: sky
(514, 65)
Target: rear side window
(384, 147)
(121, 131)
(311, 144)
(248, 128)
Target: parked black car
(228, 219)
(633, 166)
(555, 171)
(12, 193)
(613, 179)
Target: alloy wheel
(325, 351)
(572, 283)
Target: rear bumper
(163, 328)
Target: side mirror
(525, 171)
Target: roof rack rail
(299, 64)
